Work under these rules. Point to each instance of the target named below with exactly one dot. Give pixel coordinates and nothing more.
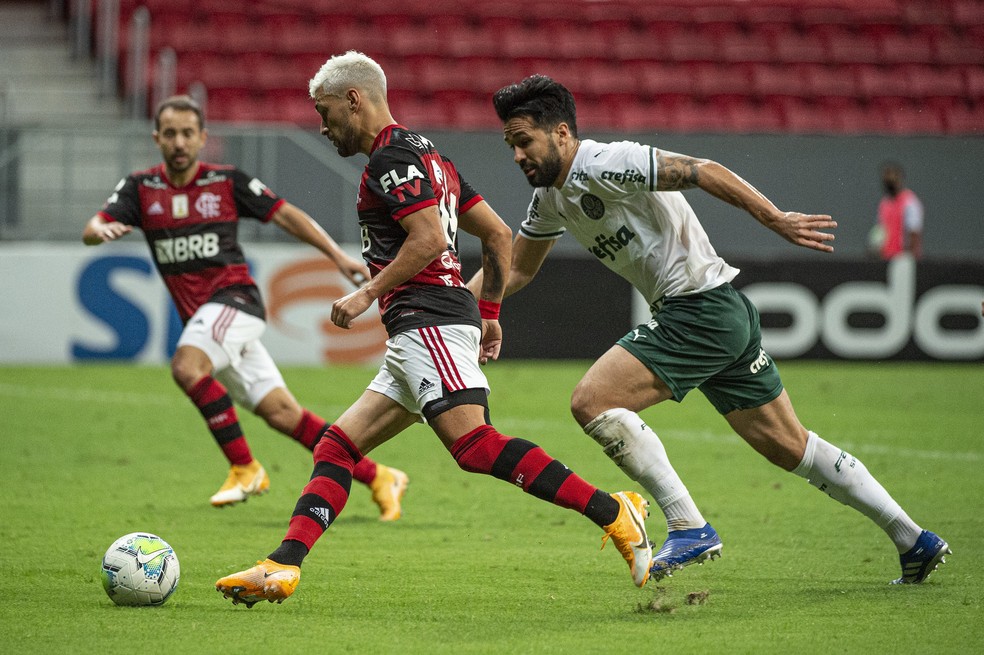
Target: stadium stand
(806, 66)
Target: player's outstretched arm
(678, 172)
(296, 222)
(99, 230)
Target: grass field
(90, 453)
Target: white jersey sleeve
(610, 204)
(542, 223)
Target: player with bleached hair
(622, 202)
(412, 202)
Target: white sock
(844, 478)
(636, 449)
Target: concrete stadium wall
(816, 174)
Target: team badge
(208, 205)
(179, 206)
(592, 206)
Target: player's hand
(111, 231)
(806, 230)
(348, 308)
(354, 270)
(491, 341)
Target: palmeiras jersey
(405, 174)
(610, 204)
(192, 232)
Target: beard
(547, 172)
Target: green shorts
(711, 341)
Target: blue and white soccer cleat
(922, 559)
(683, 548)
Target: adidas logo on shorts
(425, 386)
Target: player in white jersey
(621, 201)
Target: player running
(621, 201)
(412, 201)
(189, 213)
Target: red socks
(212, 400)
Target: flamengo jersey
(610, 204)
(192, 232)
(405, 174)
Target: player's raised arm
(99, 230)
(676, 172)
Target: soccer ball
(140, 569)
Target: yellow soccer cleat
(268, 580)
(243, 481)
(388, 488)
(628, 532)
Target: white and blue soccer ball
(140, 569)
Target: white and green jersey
(610, 204)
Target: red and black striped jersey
(405, 174)
(192, 232)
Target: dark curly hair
(545, 101)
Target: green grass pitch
(90, 453)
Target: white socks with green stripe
(844, 478)
(636, 449)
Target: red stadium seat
(911, 48)
(637, 115)
(928, 82)
(666, 81)
(974, 83)
(755, 118)
(837, 81)
(879, 82)
(741, 47)
(808, 117)
(783, 80)
(847, 47)
(722, 81)
(609, 78)
(712, 64)
(965, 119)
(967, 13)
(794, 47)
(953, 48)
(690, 45)
(906, 118)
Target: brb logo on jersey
(208, 205)
(184, 248)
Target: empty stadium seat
(779, 80)
(771, 65)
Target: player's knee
(185, 374)
(281, 414)
(584, 405)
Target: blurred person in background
(900, 217)
(189, 213)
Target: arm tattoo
(494, 281)
(676, 172)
